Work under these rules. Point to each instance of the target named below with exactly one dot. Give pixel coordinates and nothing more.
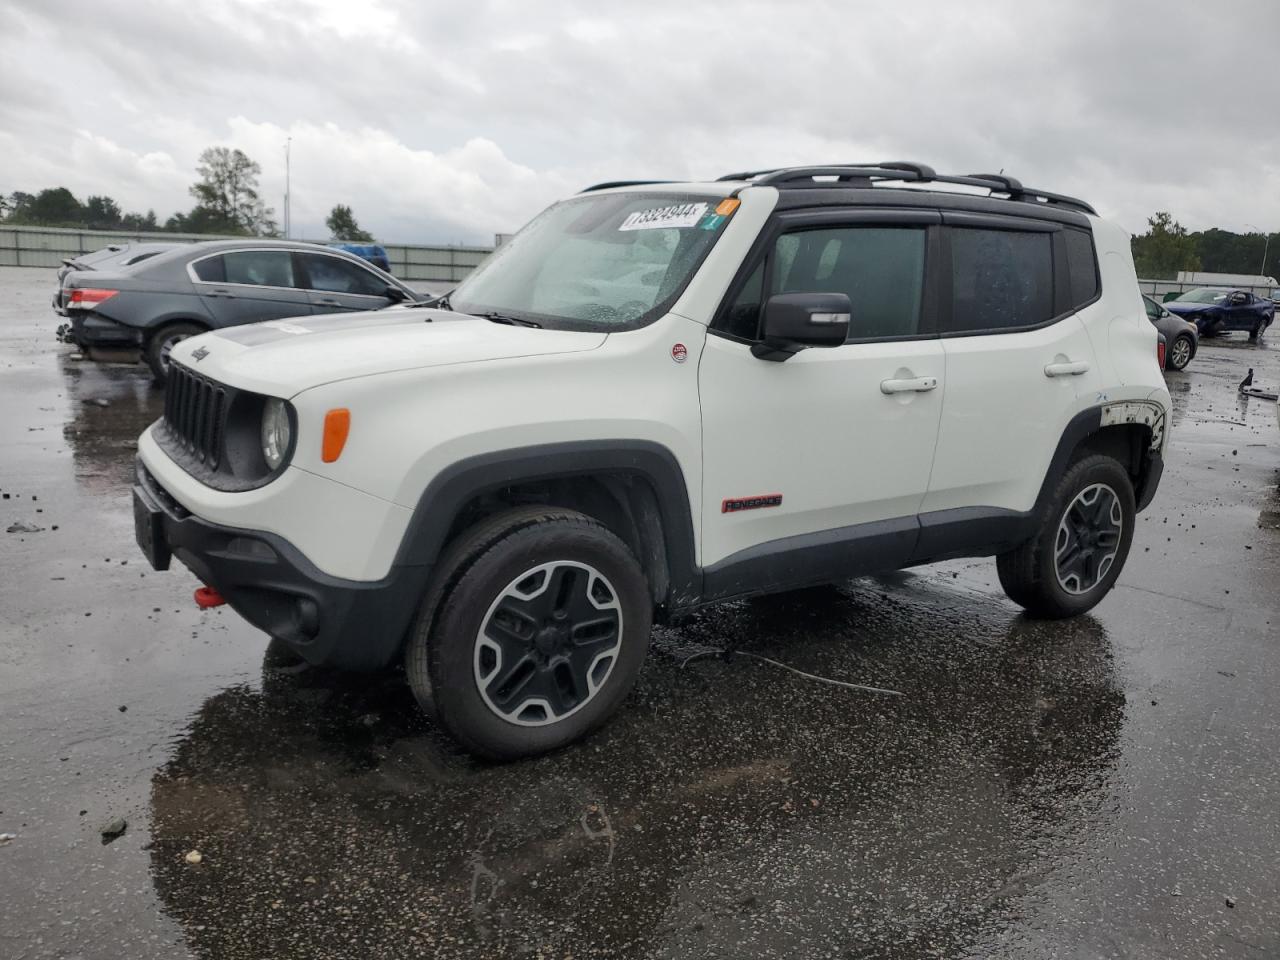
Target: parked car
(1182, 337)
(374, 253)
(112, 257)
(1215, 311)
(146, 307)
(654, 397)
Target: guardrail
(49, 246)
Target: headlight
(276, 434)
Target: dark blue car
(373, 252)
(1216, 311)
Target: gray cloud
(453, 121)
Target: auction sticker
(677, 215)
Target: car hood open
(284, 357)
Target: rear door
(245, 286)
(1019, 365)
(336, 285)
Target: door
(245, 286)
(336, 285)
(1018, 363)
(815, 467)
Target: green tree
(1164, 249)
(51, 207)
(140, 222)
(227, 199)
(342, 225)
(101, 213)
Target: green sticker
(712, 222)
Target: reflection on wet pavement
(1096, 787)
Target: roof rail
(609, 184)
(865, 175)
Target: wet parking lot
(1102, 787)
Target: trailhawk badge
(199, 353)
(679, 353)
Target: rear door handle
(221, 293)
(328, 302)
(911, 385)
(1072, 368)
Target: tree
(1164, 249)
(51, 207)
(136, 221)
(101, 213)
(227, 199)
(342, 225)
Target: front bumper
(351, 624)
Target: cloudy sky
(448, 121)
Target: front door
(816, 466)
(336, 285)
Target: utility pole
(287, 144)
(1266, 244)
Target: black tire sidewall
(1097, 469)
(451, 650)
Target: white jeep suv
(657, 396)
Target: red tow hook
(207, 597)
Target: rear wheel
(538, 638)
(162, 343)
(1180, 352)
(1078, 552)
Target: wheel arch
(635, 488)
(1111, 430)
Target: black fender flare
(439, 505)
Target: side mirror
(395, 294)
(793, 321)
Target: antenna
(287, 144)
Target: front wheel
(1181, 351)
(539, 637)
(1075, 557)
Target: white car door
(1019, 365)
(815, 467)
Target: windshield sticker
(659, 218)
(713, 220)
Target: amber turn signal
(337, 424)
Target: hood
(1182, 308)
(284, 357)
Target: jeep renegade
(660, 395)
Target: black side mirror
(395, 294)
(793, 321)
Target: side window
(211, 270)
(335, 275)
(881, 269)
(743, 317)
(260, 268)
(1000, 278)
(1082, 266)
(1153, 309)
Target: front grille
(195, 414)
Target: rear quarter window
(1082, 267)
(211, 270)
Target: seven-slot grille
(194, 409)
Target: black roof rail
(865, 175)
(608, 184)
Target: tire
(494, 656)
(1181, 351)
(1094, 497)
(162, 341)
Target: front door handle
(910, 385)
(1072, 368)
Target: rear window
(259, 268)
(1000, 279)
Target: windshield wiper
(435, 303)
(511, 321)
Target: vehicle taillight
(86, 298)
(1160, 353)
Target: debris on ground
(113, 828)
(21, 527)
(6, 837)
(194, 857)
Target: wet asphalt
(1102, 787)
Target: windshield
(603, 262)
(1203, 295)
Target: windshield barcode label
(677, 215)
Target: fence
(1158, 289)
(49, 246)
